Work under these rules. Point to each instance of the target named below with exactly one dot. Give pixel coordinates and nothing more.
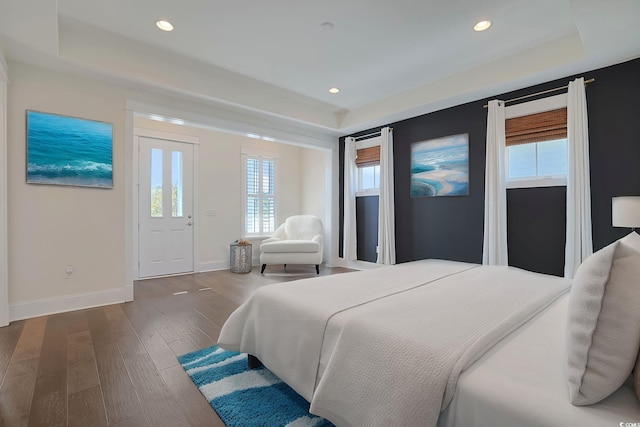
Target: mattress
(522, 382)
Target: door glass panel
(156, 183)
(176, 183)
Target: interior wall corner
(4, 252)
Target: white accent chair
(298, 241)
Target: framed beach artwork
(440, 167)
(64, 150)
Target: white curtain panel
(349, 246)
(386, 207)
(494, 249)
(579, 244)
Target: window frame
(366, 143)
(260, 156)
(524, 109)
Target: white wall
(50, 227)
(220, 186)
(316, 191)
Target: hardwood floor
(116, 365)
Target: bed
(424, 343)
(527, 378)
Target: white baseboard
(221, 265)
(4, 317)
(46, 306)
(213, 266)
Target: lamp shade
(625, 211)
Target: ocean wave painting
(440, 167)
(66, 150)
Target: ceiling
(391, 60)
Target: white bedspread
(284, 324)
(522, 381)
(410, 330)
(398, 361)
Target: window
(368, 163)
(536, 144)
(537, 160)
(260, 195)
(368, 179)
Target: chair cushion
(302, 227)
(285, 246)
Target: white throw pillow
(632, 240)
(604, 321)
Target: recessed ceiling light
(327, 26)
(164, 25)
(334, 90)
(482, 25)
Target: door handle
(189, 223)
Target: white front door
(165, 207)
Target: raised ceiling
(391, 60)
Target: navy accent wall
(614, 132)
(447, 227)
(452, 227)
(367, 228)
(536, 228)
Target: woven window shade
(368, 156)
(545, 126)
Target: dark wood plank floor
(116, 365)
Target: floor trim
(46, 306)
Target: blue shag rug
(244, 397)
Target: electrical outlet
(69, 271)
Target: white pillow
(604, 321)
(632, 240)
